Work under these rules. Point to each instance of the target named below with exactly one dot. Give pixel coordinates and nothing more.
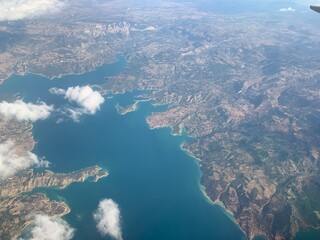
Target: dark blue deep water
(154, 182)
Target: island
(123, 110)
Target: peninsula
(244, 85)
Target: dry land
(244, 85)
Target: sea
(155, 183)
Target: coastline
(181, 147)
(204, 192)
(202, 188)
(130, 108)
(67, 210)
(112, 60)
(227, 212)
(55, 77)
(101, 175)
(190, 154)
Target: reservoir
(154, 182)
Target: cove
(154, 182)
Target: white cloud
(74, 114)
(46, 228)
(88, 99)
(11, 10)
(57, 91)
(288, 9)
(107, 218)
(11, 162)
(25, 111)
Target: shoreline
(57, 77)
(190, 154)
(202, 188)
(130, 108)
(227, 212)
(28, 223)
(102, 174)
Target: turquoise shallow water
(155, 183)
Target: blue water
(155, 183)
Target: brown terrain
(244, 86)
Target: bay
(154, 182)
